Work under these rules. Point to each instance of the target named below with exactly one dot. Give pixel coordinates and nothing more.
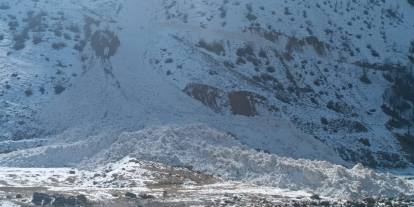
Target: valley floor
(138, 183)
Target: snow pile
(220, 154)
(7, 204)
(124, 173)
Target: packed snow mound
(126, 173)
(207, 150)
(7, 204)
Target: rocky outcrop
(407, 145)
(59, 200)
(41, 199)
(244, 103)
(105, 43)
(212, 97)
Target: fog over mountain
(206, 103)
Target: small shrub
(58, 45)
(28, 92)
(59, 89)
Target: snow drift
(207, 150)
(201, 148)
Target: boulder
(40, 199)
(130, 195)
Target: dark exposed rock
(318, 46)
(82, 199)
(58, 45)
(214, 47)
(59, 88)
(365, 79)
(380, 66)
(41, 199)
(339, 107)
(411, 2)
(59, 200)
(244, 103)
(399, 101)
(296, 44)
(399, 106)
(130, 195)
(407, 145)
(247, 53)
(315, 197)
(208, 95)
(146, 196)
(393, 159)
(365, 142)
(105, 43)
(344, 125)
(370, 158)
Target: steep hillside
(339, 71)
(336, 73)
(291, 86)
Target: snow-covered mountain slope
(85, 83)
(119, 90)
(289, 78)
(333, 69)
